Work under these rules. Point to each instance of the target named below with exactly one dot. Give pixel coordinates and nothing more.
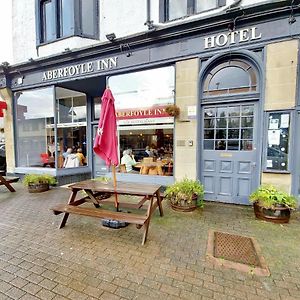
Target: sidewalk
(87, 261)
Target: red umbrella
(106, 142)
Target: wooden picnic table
(94, 189)
(7, 180)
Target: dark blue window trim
(190, 10)
(75, 29)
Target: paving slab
(87, 261)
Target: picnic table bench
(7, 180)
(150, 194)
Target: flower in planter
(172, 110)
(38, 182)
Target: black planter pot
(280, 214)
(38, 187)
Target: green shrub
(184, 190)
(38, 178)
(269, 197)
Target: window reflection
(35, 136)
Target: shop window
(277, 149)
(62, 18)
(144, 128)
(176, 9)
(42, 143)
(35, 134)
(231, 77)
(71, 128)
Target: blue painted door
(229, 169)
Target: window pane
(88, 15)
(233, 122)
(233, 133)
(48, 21)
(208, 145)
(203, 5)
(234, 111)
(221, 134)
(209, 134)
(209, 112)
(247, 145)
(157, 160)
(229, 78)
(35, 128)
(140, 101)
(72, 146)
(247, 122)
(233, 145)
(247, 110)
(221, 123)
(67, 17)
(177, 9)
(220, 145)
(247, 133)
(71, 131)
(209, 123)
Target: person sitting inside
(148, 152)
(65, 154)
(81, 157)
(71, 160)
(128, 160)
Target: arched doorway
(230, 130)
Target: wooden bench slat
(100, 213)
(11, 179)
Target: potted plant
(271, 204)
(185, 195)
(37, 183)
(172, 110)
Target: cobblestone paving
(87, 261)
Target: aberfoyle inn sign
(81, 69)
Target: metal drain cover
(235, 251)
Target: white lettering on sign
(84, 68)
(233, 37)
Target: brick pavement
(87, 261)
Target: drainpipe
(149, 22)
(194, 17)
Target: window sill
(276, 171)
(66, 37)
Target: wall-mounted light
(111, 36)
(126, 48)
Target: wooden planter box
(185, 207)
(277, 215)
(38, 187)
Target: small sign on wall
(192, 112)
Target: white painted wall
(123, 17)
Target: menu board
(278, 141)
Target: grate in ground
(237, 252)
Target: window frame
(191, 9)
(77, 27)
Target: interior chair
(122, 168)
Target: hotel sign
(80, 69)
(232, 38)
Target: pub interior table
(94, 190)
(7, 180)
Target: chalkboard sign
(278, 141)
